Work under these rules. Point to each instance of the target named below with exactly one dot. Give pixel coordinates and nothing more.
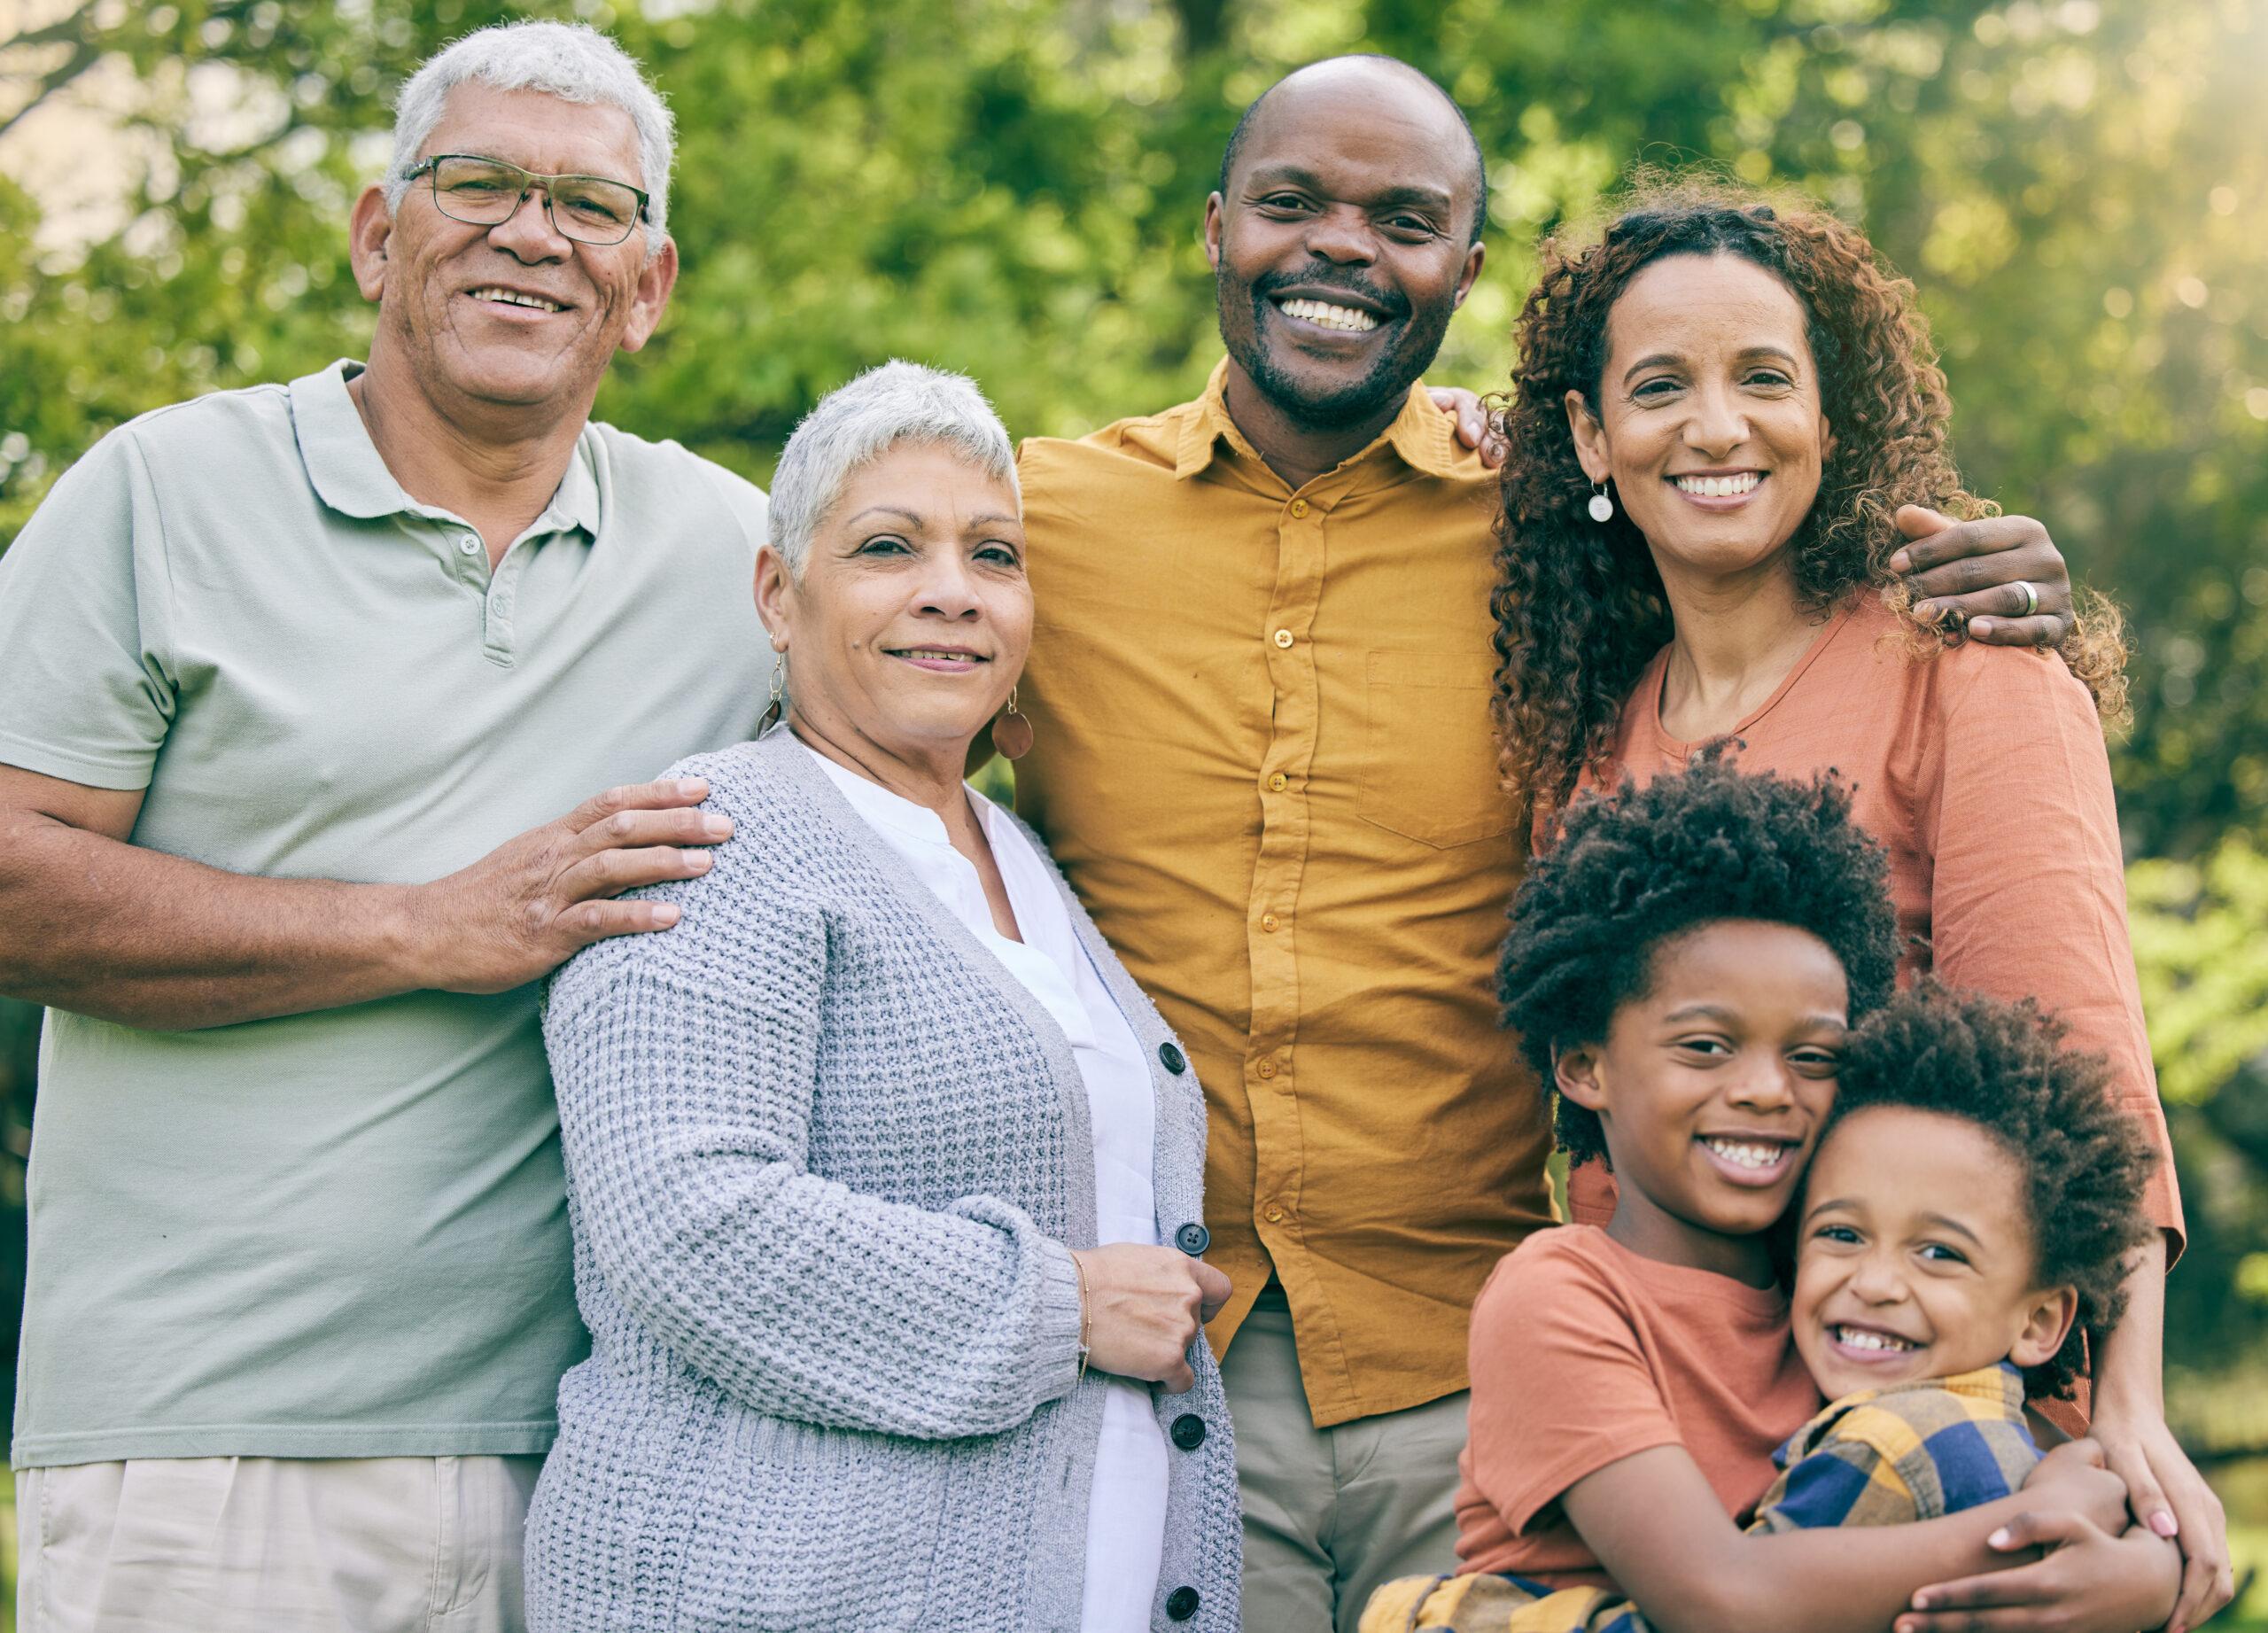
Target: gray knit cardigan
(826, 1159)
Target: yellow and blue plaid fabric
(1882, 1457)
(1491, 1603)
(1912, 1452)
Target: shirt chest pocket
(1428, 768)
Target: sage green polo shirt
(341, 1234)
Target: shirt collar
(348, 475)
(1421, 434)
(2000, 1383)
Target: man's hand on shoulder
(2001, 578)
(536, 900)
(1476, 427)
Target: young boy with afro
(1684, 970)
(1963, 1229)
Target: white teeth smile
(1864, 1338)
(1743, 1155)
(512, 297)
(1718, 487)
(1353, 320)
(936, 657)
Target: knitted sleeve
(685, 1064)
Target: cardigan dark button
(1174, 1060)
(1192, 1239)
(1181, 1604)
(1188, 1431)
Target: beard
(1409, 352)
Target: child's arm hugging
(1658, 1527)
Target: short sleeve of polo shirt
(1561, 1382)
(86, 690)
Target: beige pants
(1330, 1514)
(271, 1545)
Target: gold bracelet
(1086, 1319)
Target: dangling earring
(769, 717)
(1602, 508)
(1011, 731)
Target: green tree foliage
(2201, 945)
(1014, 187)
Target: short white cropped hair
(859, 422)
(568, 60)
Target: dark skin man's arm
(91, 923)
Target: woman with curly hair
(1721, 408)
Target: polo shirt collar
(1421, 434)
(344, 466)
(342, 461)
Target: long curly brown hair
(1578, 606)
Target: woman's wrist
(1086, 1315)
(2129, 1372)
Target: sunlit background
(1014, 188)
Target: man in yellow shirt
(1259, 685)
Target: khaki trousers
(1330, 1514)
(273, 1545)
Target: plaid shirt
(1882, 1457)
(1912, 1452)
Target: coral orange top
(1583, 1354)
(1982, 771)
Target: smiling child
(1683, 969)
(1965, 1225)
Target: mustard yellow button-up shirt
(1263, 758)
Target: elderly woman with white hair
(884, 1176)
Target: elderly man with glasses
(295, 683)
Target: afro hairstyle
(1646, 866)
(2084, 1162)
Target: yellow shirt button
(1268, 923)
(1282, 637)
(1272, 1214)
(1267, 1069)
(1280, 782)
(1299, 507)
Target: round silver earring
(1602, 508)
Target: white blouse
(1126, 1512)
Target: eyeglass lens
(482, 192)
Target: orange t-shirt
(1982, 771)
(1583, 1353)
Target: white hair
(861, 421)
(568, 60)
